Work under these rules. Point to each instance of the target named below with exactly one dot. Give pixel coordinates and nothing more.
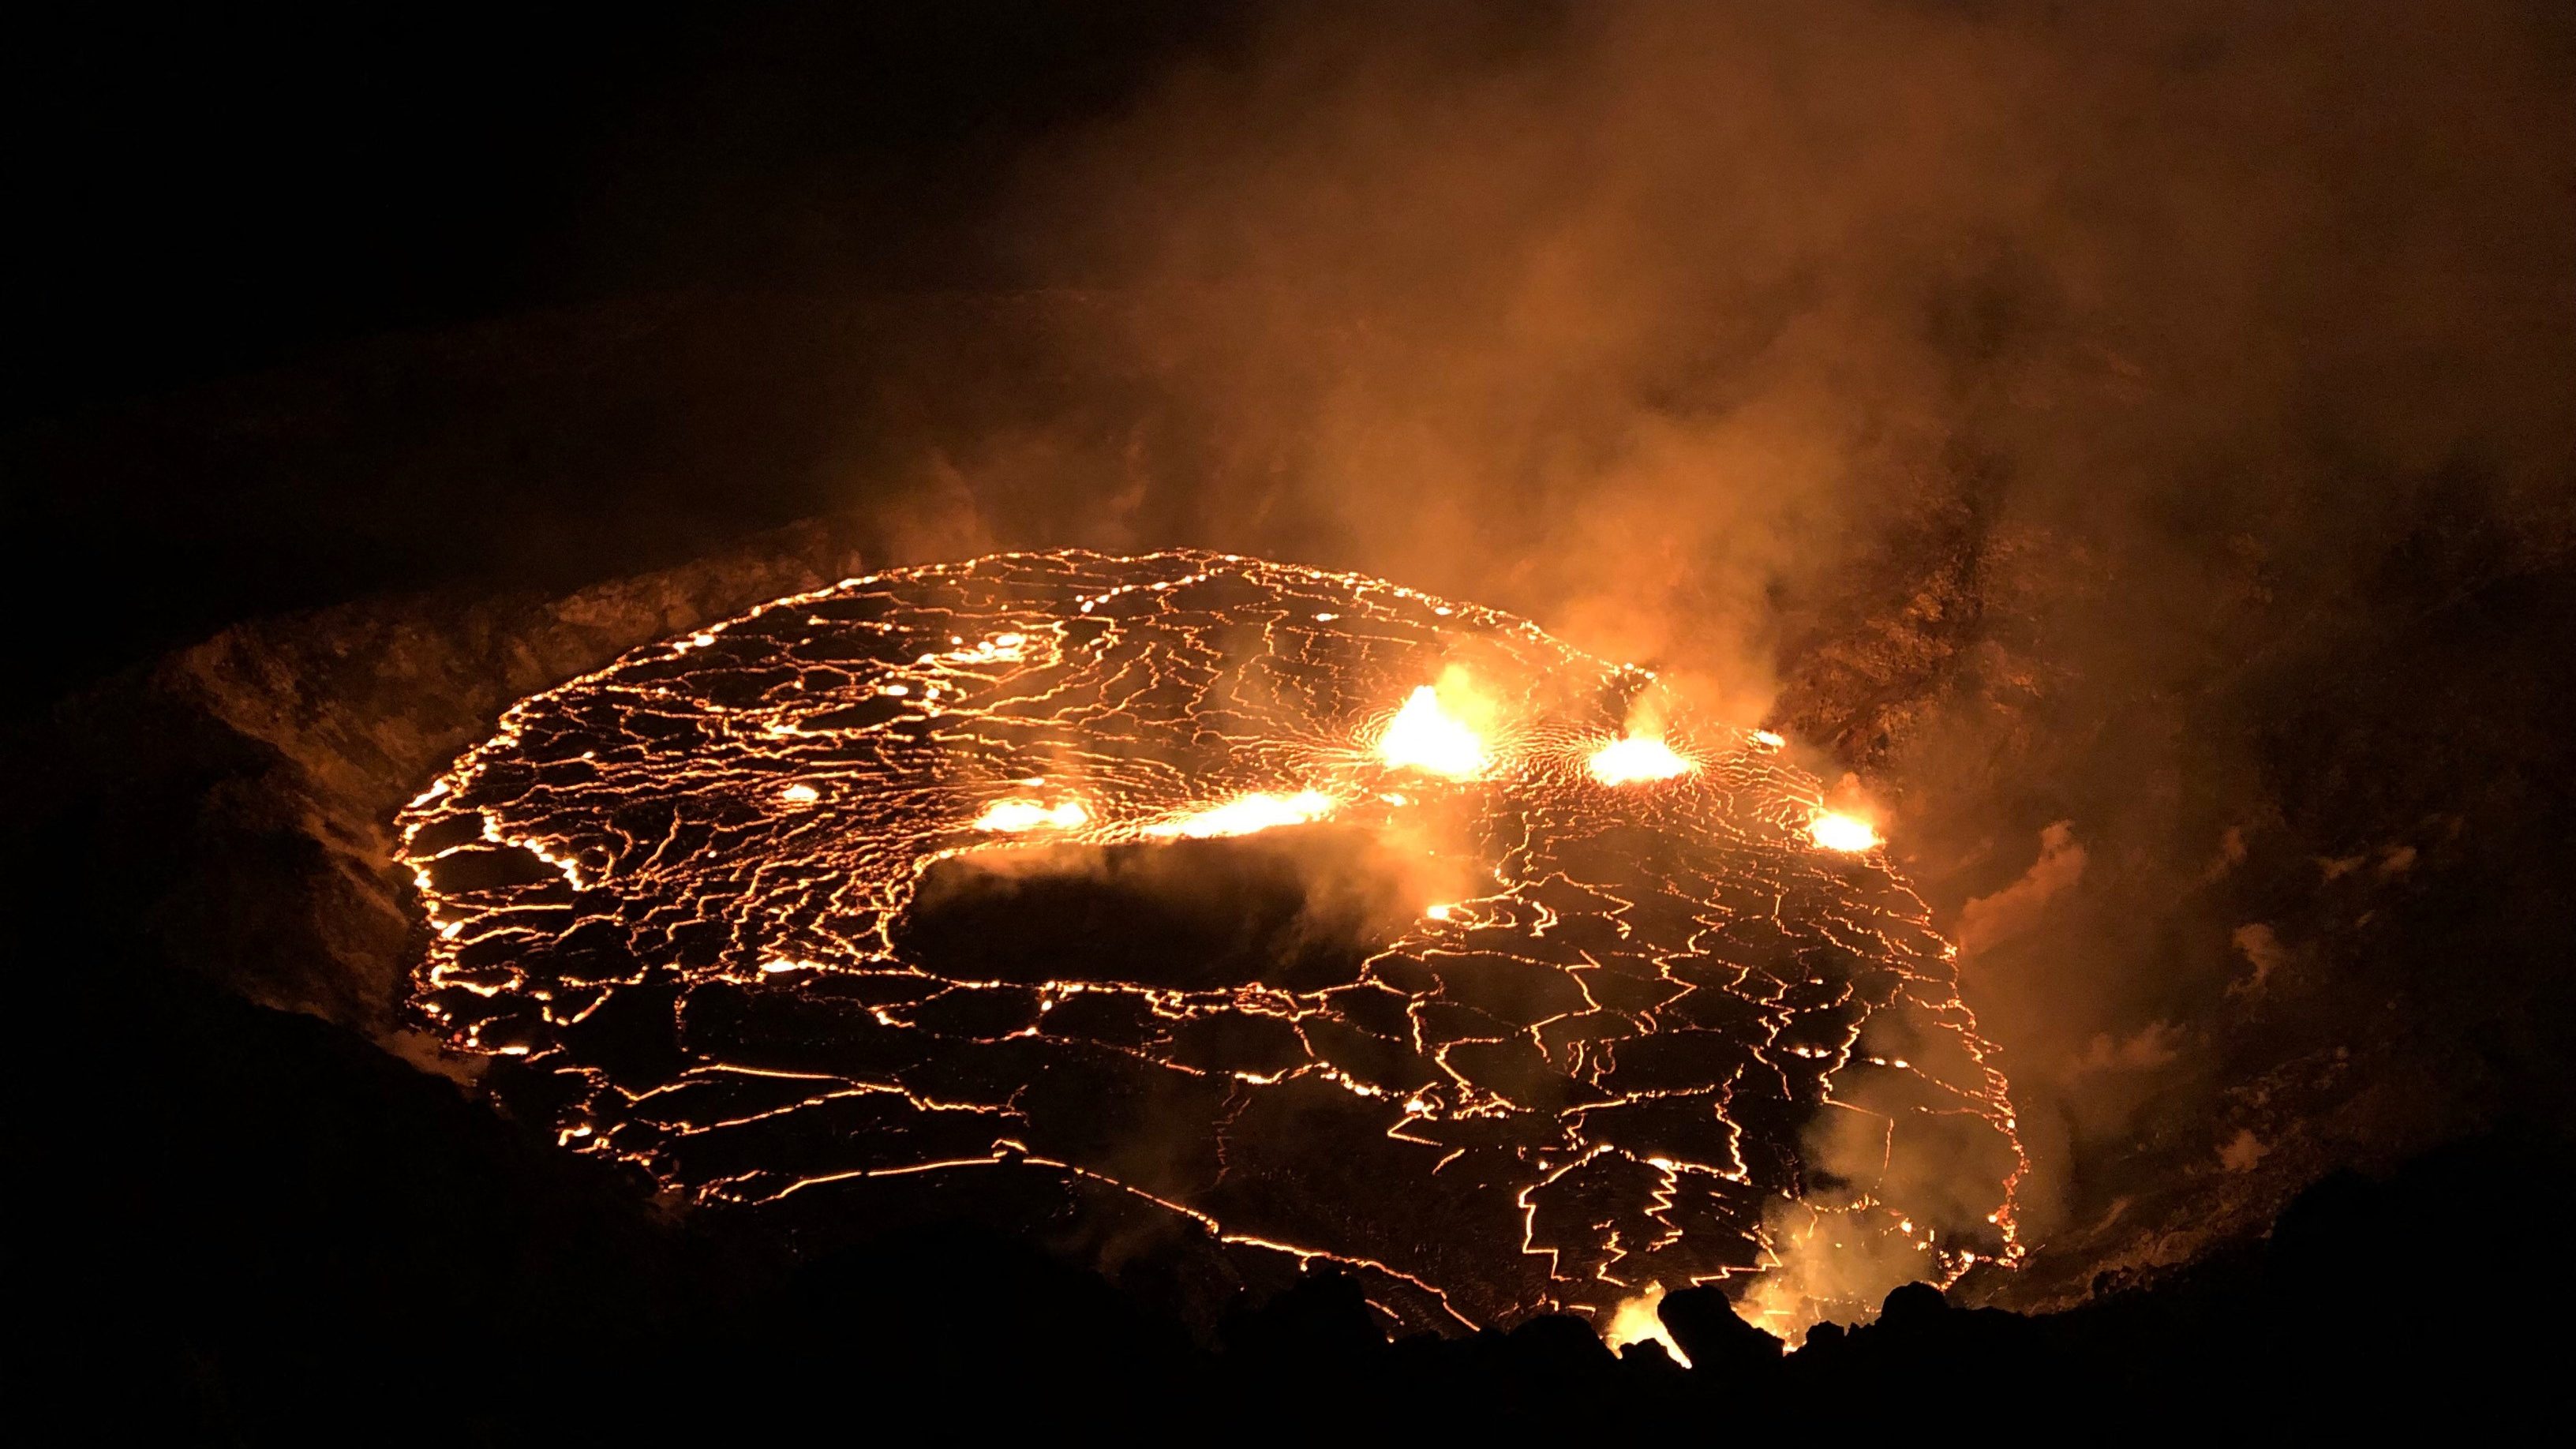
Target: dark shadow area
(257, 1229)
(222, 193)
(1296, 907)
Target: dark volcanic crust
(685, 888)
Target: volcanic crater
(1151, 876)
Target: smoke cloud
(1662, 321)
(2005, 399)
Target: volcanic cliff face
(2253, 873)
(250, 780)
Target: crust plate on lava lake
(1095, 867)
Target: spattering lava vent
(1134, 871)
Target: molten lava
(1636, 1320)
(1013, 816)
(1529, 1044)
(1848, 833)
(1427, 736)
(1635, 759)
(1246, 814)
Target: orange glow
(1634, 759)
(1635, 1320)
(1426, 736)
(1848, 833)
(1246, 814)
(1014, 816)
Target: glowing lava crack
(1588, 1012)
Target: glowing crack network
(1594, 1026)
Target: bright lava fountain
(1334, 918)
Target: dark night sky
(203, 193)
(270, 198)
